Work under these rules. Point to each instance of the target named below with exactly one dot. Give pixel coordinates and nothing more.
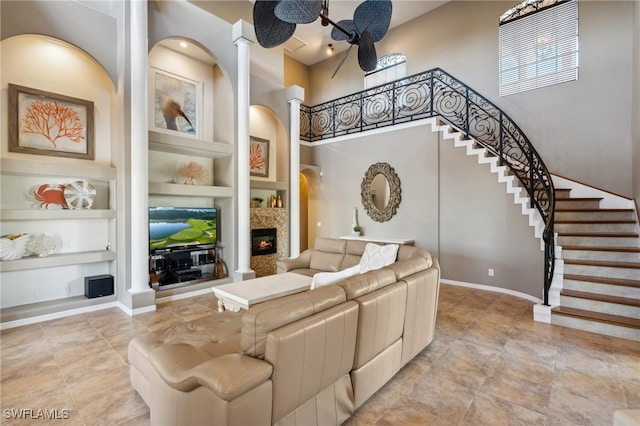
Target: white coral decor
(13, 246)
(41, 245)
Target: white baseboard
(184, 295)
(494, 289)
(57, 315)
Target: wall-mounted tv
(173, 228)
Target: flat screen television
(173, 228)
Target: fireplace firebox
(263, 241)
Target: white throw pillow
(376, 256)
(326, 278)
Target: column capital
(242, 32)
(295, 94)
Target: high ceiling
(309, 43)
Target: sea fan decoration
(192, 171)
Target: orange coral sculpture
(53, 121)
(192, 171)
(256, 159)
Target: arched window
(388, 68)
(538, 45)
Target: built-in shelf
(42, 214)
(22, 312)
(190, 190)
(42, 168)
(177, 144)
(265, 184)
(175, 290)
(59, 259)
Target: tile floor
(489, 364)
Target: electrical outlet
(68, 288)
(66, 244)
(490, 272)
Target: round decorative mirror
(380, 192)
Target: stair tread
(600, 297)
(597, 316)
(594, 210)
(609, 263)
(603, 248)
(599, 234)
(603, 280)
(584, 198)
(596, 222)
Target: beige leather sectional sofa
(308, 358)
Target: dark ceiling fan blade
(373, 16)
(298, 11)
(342, 61)
(270, 31)
(367, 57)
(346, 24)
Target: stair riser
(599, 306)
(602, 271)
(596, 327)
(595, 227)
(597, 215)
(598, 241)
(562, 194)
(611, 256)
(577, 204)
(606, 289)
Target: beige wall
(296, 74)
(450, 205)
(581, 129)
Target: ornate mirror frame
(394, 192)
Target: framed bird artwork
(176, 103)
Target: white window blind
(539, 49)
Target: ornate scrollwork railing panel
(436, 93)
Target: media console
(183, 265)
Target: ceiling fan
(275, 22)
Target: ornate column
(295, 95)
(142, 295)
(242, 37)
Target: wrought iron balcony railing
(435, 93)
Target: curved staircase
(593, 282)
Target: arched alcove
(55, 66)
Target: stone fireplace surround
(270, 218)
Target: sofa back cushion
(261, 319)
(328, 254)
(361, 284)
(353, 253)
(309, 356)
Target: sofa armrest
(299, 262)
(232, 375)
(184, 367)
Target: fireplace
(263, 241)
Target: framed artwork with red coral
(47, 123)
(258, 157)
